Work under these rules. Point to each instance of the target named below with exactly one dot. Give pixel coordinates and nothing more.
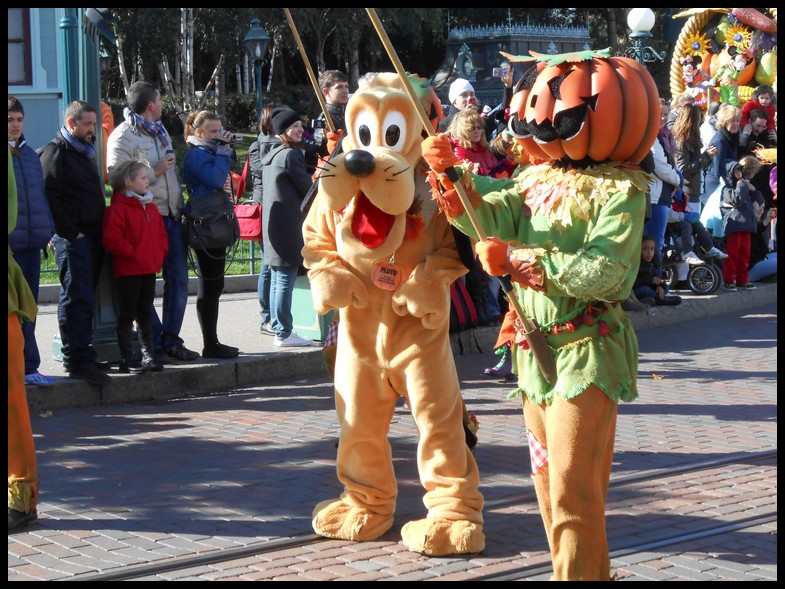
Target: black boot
(128, 363)
(146, 343)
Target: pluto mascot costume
(377, 249)
(568, 232)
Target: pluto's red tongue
(370, 225)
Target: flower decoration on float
(738, 36)
(697, 45)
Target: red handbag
(249, 215)
(239, 181)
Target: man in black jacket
(335, 88)
(75, 191)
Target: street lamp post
(641, 22)
(103, 58)
(256, 41)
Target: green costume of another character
(579, 224)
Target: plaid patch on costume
(537, 453)
(332, 335)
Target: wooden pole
(314, 82)
(534, 337)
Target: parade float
(722, 54)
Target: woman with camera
(206, 171)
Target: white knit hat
(458, 87)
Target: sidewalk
(260, 361)
(222, 484)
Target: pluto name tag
(387, 276)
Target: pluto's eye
(364, 135)
(391, 135)
(394, 130)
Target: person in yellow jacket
(22, 467)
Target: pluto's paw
(441, 537)
(335, 519)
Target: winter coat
(646, 274)
(285, 183)
(206, 168)
(663, 172)
(727, 145)
(135, 235)
(256, 152)
(691, 162)
(128, 142)
(338, 116)
(488, 163)
(74, 189)
(738, 212)
(753, 104)
(34, 223)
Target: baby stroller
(702, 279)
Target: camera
(319, 124)
(500, 72)
(236, 138)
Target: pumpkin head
(586, 108)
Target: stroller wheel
(704, 280)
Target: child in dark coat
(738, 202)
(649, 286)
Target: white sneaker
(716, 253)
(692, 258)
(293, 341)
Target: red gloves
(438, 154)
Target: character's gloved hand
(498, 259)
(438, 153)
(333, 139)
(492, 254)
(450, 202)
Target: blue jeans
(263, 290)
(79, 262)
(656, 225)
(763, 269)
(175, 275)
(650, 291)
(281, 289)
(493, 287)
(30, 263)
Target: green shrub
(241, 113)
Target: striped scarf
(152, 128)
(86, 149)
